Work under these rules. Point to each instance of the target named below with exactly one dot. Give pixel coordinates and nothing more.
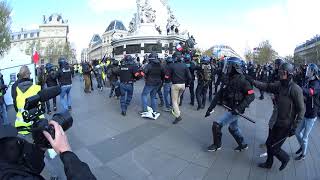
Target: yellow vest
(80, 69)
(21, 100)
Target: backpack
(207, 72)
(85, 68)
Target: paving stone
(192, 172)
(125, 142)
(148, 162)
(86, 156)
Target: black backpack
(86, 68)
(207, 72)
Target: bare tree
(248, 55)
(5, 22)
(265, 53)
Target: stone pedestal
(147, 29)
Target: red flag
(35, 57)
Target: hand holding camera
(59, 141)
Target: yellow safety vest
(80, 69)
(103, 74)
(21, 100)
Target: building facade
(100, 46)
(308, 52)
(49, 40)
(84, 55)
(224, 50)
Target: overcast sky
(241, 24)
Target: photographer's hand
(60, 143)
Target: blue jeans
(167, 94)
(4, 114)
(302, 133)
(232, 120)
(65, 103)
(126, 90)
(153, 96)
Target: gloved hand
(250, 79)
(235, 112)
(208, 113)
(292, 132)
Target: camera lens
(64, 119)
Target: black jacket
(127, 73)
(179, 73)
(311, 93)
(73, 167)
(236, 94)
(65, 76)
(52, 78)
(154, 74)
(290, 103)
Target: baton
(244, 116)
(278, 142)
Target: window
(31, 35)
(118, 50)
(148, 48)
(12, 37)
(19, 36)
(133, 49)
(38, 34)
(25, 35)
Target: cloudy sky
(241, 24)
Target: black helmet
(312, 71)
(232, 64)
(286, 67)
(153, 57)
(278, 62)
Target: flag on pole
(35, 56)
(179, 47)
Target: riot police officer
(237, 94)
(192, 66)
(263, 76)
(127, 72)
(291, 110)
(204, 73)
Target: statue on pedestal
(172, 25)
(147, 14)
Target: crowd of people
(226, 81)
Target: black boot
(178, 119)
(217, 134)
(284, 158)
(239, 140)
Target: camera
(33, 110)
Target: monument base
(147, 29)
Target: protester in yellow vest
(24, 90)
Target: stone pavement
(117, 147)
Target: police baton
(278, 142)
(244, 116)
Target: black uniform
(52, 80)
(263, 76)
(127, 73)
(219, 75)
(237, 94)
(291, 110)
(204, 74)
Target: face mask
(284, 82)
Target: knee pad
(216, 127)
